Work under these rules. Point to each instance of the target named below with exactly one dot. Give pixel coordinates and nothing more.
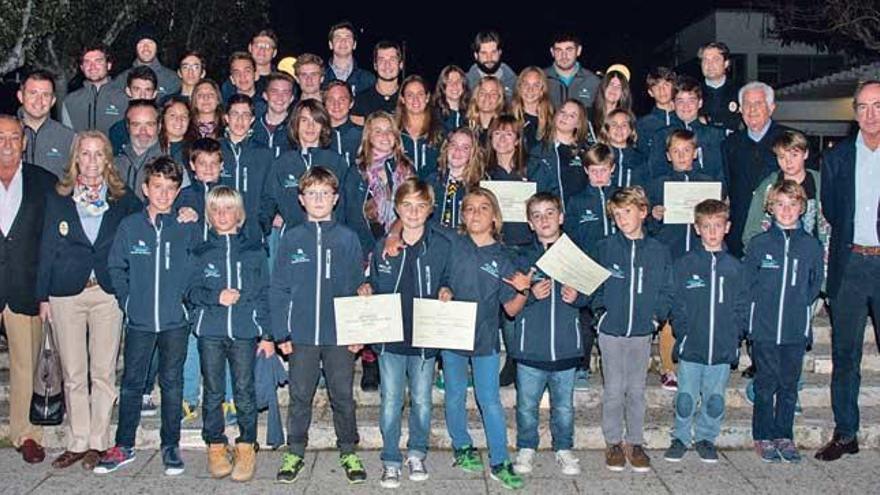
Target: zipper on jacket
(419, 272)
(254, 318)
(681, 346)
(604, 213)
(577, 330)
(794, 271)
(228, 286)
(327, 262)
(721, 289)
(199, 323)
(711, 310)
(428, 276)
(522, 336)
(400, 271)
(244, 180)
(620, 168)
(167, 256)
(156, 275)
(552, 320)
(318, 286)
(782, 292)
(559, 175)
(751, 316)
(807, 324)
(236, 153)
(641, 273)
(632, 284)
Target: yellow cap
(619, 68)
(286, 65)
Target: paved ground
(739, 472)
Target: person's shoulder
(841, 150)
(41, 176)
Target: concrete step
(812, 430)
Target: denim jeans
(394, 370)
(138, 349)
(486, 388)
(704, 385)
(776, 381)
(530, 385)
(859, 291)
(217, 355)
(153, 371)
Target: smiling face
(308, 130)
(613, 91)
(454, 86)
(531, 88)
(504, 140)
(713, 64)
(146, 51)
(388, 64)
(309, 77)
(478, 215)
(415, 98)
(279, 95)
(786, 210)
(224, 217)
(337, 101)
(867, 107)
(342, 43)
(458, 153)
(239, 119)
(191, 70)
(413, 211)
(489, 95)
(91, 159)
(160, 192)
(243, 75)
(143, 127)
(263, 49)
(205, 99)
(207, 166)
(37, 98)
(381, 136)
(566, 118)
(756, 110)
(687, 105)
(11, 143)
(95, 66)
(619, 129)
(488, 56)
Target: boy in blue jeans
(638, 293)
(710, 313)
(150, 259)
(785, 266)
(317, 261)
(547, 346)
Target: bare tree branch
(15, 59)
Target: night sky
(439, 33)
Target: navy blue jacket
(721, 106)
(431, 258)
(439, 183)
(285, 175)
(549, 329)
(359, 79)
(680, 238)
(839, 205)
(648, 125)
(630, 167)
(275, 140)
(246, 168)
(195, 196)
(154, 263)
(586, 220)
(547, 165)
(711, 306)
(710, 158)
(345, 140)
(350, 209)
(421, 153)
(230, 262)
(316, 261)
(512, 233)
(475, 275)
(269, 374)
(786, 273)
(452, 121)
(639, 291)
(67, 257)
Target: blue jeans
(218, 355)
(776, 381)
(486, 388)
(703, 384)
(138, 350)
(394, 370)
(192, 378)
(530, 385)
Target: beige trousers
(25, 336)
(664, 348)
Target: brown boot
(245, 462)
(218, 460)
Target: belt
(91, 282)
(866, 250)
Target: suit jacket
(67, 257)
(839, 204)
(19, 248)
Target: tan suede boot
(245, 462)
(218, 460)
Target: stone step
(812, 429)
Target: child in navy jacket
(710, 312)
(150, 260)
(785, 264)
(317, 260)
(547, 345)
(228, 291)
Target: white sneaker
(525, 458)
(390, 477)
(568, 463)
(417, 469)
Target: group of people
(203, 229)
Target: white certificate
(368, 319)
(512, 197)
(680, 198)
(566, 263)
(444, 325)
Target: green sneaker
(354, 468)
(468, 459)
(291, 465)
(439, 382)
(504, 474)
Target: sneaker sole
(385, 484)
(419, 477)
(616, 469)
(286, 481)
(572, 472)
(492, 475)
(708, 461)
(669, 388)
(673, 459)
(173, 471)
(148, 414)
(774, 460)
(640, 469)
(522, 469)
(356, 482)
(104, 470)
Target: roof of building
(836, 85)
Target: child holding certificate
(638, 293)
(548, 347)
(317, 261)
(481, 271)
(228, 291)
(416, 271)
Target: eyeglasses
(313, 195)
(195, 67)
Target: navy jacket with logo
(353, 196)
(680, 238)
(549, 329)
(275, 140)
(152, 263)
(431, 258)
(316, 261)
(345, 140)
(421, 153)
(786, 271)
(246, 168)
(648, 125)
(711, 306)
(230, 262)
(547, 165)
(639, 291)
(630, 167)
(286, 172)
(710, 158)
(359, 79)
(586, 219)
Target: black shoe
(838, 446)
(370, 378)
(508, 373)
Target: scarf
(380, 192)
(90, 199)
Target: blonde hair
(497, 221)
(627, 196)
(115, 184)
(221, 196)
(545, 106)
(473, 170)
(786, 187)
(473, 111)
(414, 186)
(365, 153)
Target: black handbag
(47, 401)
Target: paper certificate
(444, 325)
(680, 198)
(512, 197)
(566, 263)
(368, 319)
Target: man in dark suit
(23, 190)
(850, 200)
